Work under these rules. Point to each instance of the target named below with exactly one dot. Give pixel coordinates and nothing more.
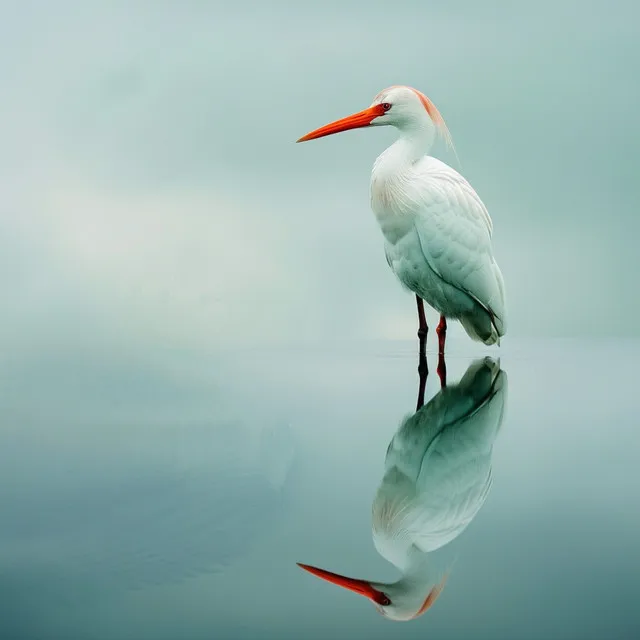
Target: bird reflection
(437, 477)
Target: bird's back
(438, 242)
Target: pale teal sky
(153, 193)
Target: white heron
(437, 477)
(437, 230)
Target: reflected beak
(354, 121)
(362, 587)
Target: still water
(173, 496)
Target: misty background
(158, 224)
(153, 195)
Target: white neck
(391, 179)
(412, 144)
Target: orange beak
(354, 121)
(358, 586)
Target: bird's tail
(482, 327)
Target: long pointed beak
(362, 587)
(354, 121)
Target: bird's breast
(392, 206)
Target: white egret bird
(436, 229)
(437, 477)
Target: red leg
(441, 330)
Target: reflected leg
(442, 370)
(423, 372)
(422, 327)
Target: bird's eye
(384, 601)
(386, 106)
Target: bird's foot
(422, 347)
(423, 369)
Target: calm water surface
(171, 497)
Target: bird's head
(402, 107)
(404, 600)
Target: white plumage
(438, 466)
(437, 477)
(437, 231)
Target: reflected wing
(439, 462)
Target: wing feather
(454, 229)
